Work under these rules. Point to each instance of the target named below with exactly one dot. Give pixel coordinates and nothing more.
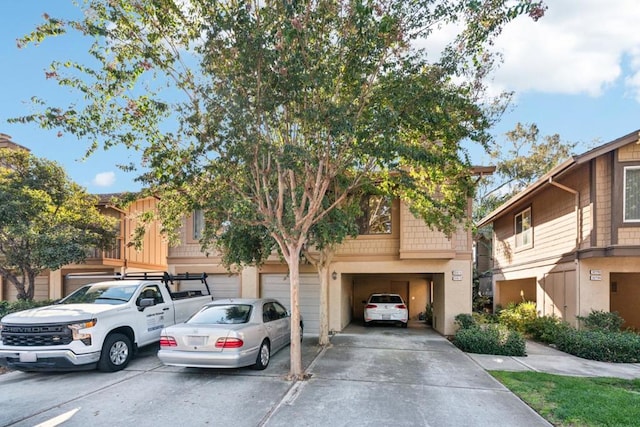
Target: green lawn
(577, 401)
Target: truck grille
(36, 335)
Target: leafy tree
(521, 160)
(269, 115)
(46, 220)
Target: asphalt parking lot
(367, 377)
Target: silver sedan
(228, 333)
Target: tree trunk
(22, 293)
(323, 272)
(295, 371)
(31, 285)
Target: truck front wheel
(116, 353)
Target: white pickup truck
(99, 325)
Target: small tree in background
(520, 161)
(46, 220)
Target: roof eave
(561, 170)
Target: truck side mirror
(146, 302)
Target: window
(151, 291)
(198, 224)
(273, 311)
(523, 230)
(632, 194)
(376, 215)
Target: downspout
(578, 239)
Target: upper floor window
(523, 230)
(376, 215)
(632, 194)
(198, 224)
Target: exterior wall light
(334, 275)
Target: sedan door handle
(165, 309)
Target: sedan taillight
(168, 342)
(371, 306)
(229, 343)
(402, 306)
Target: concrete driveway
(367, 377)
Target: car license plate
(196, 341)
(28, 357)
(386, 317)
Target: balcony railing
(115, 253)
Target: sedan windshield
(100, 293)
(222, 315)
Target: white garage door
(221, 285)
(277, 286)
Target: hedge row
(489, 338)
(599, 339)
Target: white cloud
(576, 48)
(104, 179)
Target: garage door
(277, 286)
(221, 285)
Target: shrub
(484, 318)
(599, 320)
(546, 329)
(620, 347)
(517, 316)
(428, 314)
(490, 339)
(465, 321)
(482, 303)
(7, 307)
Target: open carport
(414, 289)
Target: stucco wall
(595, 294)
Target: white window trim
(528, 231)
(624, 196)
(198, 228)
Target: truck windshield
(100, 293)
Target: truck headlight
(78, 334)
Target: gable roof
(6, 142)
(560, 170)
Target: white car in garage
(385, 308)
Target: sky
(575, 73)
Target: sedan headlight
(76, 329)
